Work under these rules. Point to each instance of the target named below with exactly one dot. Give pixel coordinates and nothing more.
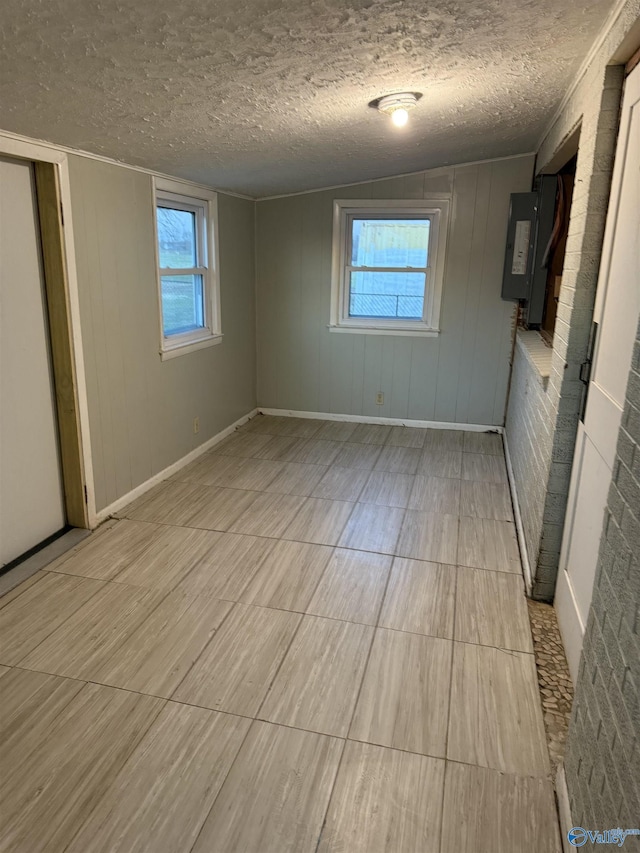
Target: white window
(186, 240)
(388, 266)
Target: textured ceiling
(270, 96)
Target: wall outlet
(379, 399)
(196, 426)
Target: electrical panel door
(528, 233)
(521, 235)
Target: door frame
(61, 285)
(572, 627)
(571, 623)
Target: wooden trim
(631, 64)
(567, 149)
(65, 381)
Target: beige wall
(141, 409)
(460, 376)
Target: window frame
(436, 210)
(204, 203)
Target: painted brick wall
(529, 432)
(541, 422)
(602, 759)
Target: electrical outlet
(379, 399)
(196, 426)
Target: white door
(616, 315)
(31, 496)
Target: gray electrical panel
(531, 218)
(521, 235)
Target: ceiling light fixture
(397, 106)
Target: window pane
(387, 294)
(182, 303)
(176, 238)
(389, 242)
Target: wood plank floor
(312, 638)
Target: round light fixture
(397, 106)
(400, 117)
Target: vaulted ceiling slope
(270, 96)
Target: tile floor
(314, 637)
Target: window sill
(538, 353)
(191, 346)
(376, 330)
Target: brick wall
(541, 422)
(602, 760)
(529, 433)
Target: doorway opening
(42, 478)
(564, 168)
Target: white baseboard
(140, 490)
(524, 556)
(118, 504)
(572, 628)
(564, 809)
(367, 419)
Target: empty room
(319, 426)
